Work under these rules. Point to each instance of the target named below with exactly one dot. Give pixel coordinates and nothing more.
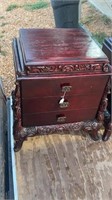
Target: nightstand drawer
(39, 119)
(49, 104)
(48, 86)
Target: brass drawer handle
(66, 88)
(65, 104)
(61, 118)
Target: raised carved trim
(52, 129)
(91, 127)
(17, 112)
(77, 68)
(106, 68)
(103, 118)
(108, 131)
(103, 104)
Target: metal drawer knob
(63, 104)
(61, 118)
(66, 88)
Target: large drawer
(52, 86)
(58, 117)
(48, 104)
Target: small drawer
(56, 86)
(49, 104)
(40, 119)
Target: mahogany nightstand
(61, 82)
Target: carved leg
(103, 115)
(107, 120)
(94, 135)
(92, 127)
(19, 139)
(107, 125)
(18, 143)
(18, 130)
(107, 132)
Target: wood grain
(52, 103)
(51, 118)
(64, 167)
(56, 46)
(51, 86)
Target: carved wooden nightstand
(61, 82)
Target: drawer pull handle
(61, 101)
(65, 104)
(61, 119)
(66, 88)
(62, 98)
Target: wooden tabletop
(59, 46)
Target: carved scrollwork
(52, 129)
(64, 68)
(63, 128)
(91, 126)
(67, 68)
(17, 111)
(103, 105)
(106, 68)
(108, 131)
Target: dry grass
(11, 21)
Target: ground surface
(11, 21)
(64, 167)
(105, 6)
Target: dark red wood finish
(49, 104)
(46, 99)
(52, 86)
(40, 119)
(57, 46)
(47, 61)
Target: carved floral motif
(67, 68)
(106, 68)
(17, 118)
(103, 105)
(52, 129)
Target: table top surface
(58, 46)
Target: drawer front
(49, 104)
(40, 87)
(51, 118)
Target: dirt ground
(12, 21)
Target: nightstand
(62, 80)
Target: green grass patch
(3, 53)
(106, 20)
(36, 6)
(83, 1)
(3, 24)
(2, 17)
(88, 20)
(12, 7)
(1, 36)
(100, 37)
